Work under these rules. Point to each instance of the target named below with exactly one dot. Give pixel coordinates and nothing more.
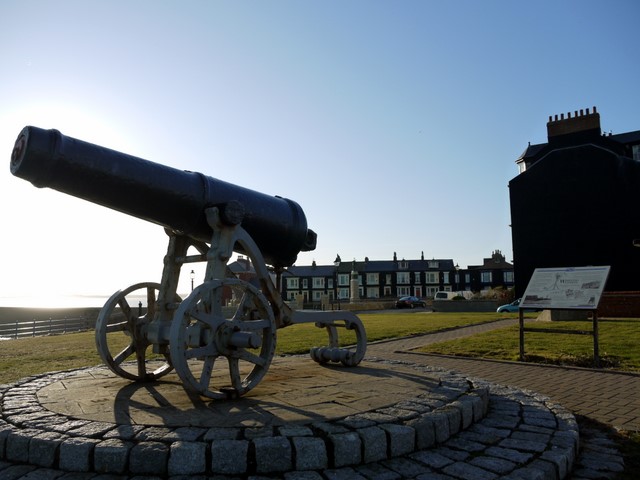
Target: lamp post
(192, 275)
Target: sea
(53, 301)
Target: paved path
(606, 396)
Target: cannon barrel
(173, 198)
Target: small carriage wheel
(201, 333)
(122, 331)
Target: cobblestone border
(464, 428)
(29, 433)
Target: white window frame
(318, 282)
(293, 283)
(402, 278)
(432, 277)
(373, 279)
(404, 291)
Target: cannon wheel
(116, 327)
(201, 334)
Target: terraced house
(386, 279)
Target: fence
(50, 326)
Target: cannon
(214, 219)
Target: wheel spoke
(207, 371)
(118, 327)
(124, 354)
(124, 306)
(201, 352)
(246, 302)
(234, 374)
(250, 357)
(210, 319)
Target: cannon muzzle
(173, 198)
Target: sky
(395, 125)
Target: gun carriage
(212, 218)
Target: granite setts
(463, 428)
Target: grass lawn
(30, 356)
(619, 340)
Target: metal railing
(50, 326)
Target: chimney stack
(580, 122)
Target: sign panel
(565, 288)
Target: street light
(192, 275)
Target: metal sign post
(572, 288)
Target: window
(431, 277)
(317, 296)
(508, 277)
(305, 283)
(292, 283)
(402, 278)
(433, 264)
(635, 150)
(343, 293)
(431, 291)
(403, 291)
(416, 278)
(388, 281)
(485, 277)
(372, 279)
(445, 277)
(330, 282)
(387, 291)
(403, 265)
(372, 293)
(343, 279)
(318, 282)
(467, 278)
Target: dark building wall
(577, 206)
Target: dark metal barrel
(173, 198)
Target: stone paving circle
(302, 421)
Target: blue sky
(395, 125)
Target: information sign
(565, 288)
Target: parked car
(514, 306)
(410, 302)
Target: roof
(626, 138)
(614, 142)
(393, 266)
(373, 266)
(311, 271)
